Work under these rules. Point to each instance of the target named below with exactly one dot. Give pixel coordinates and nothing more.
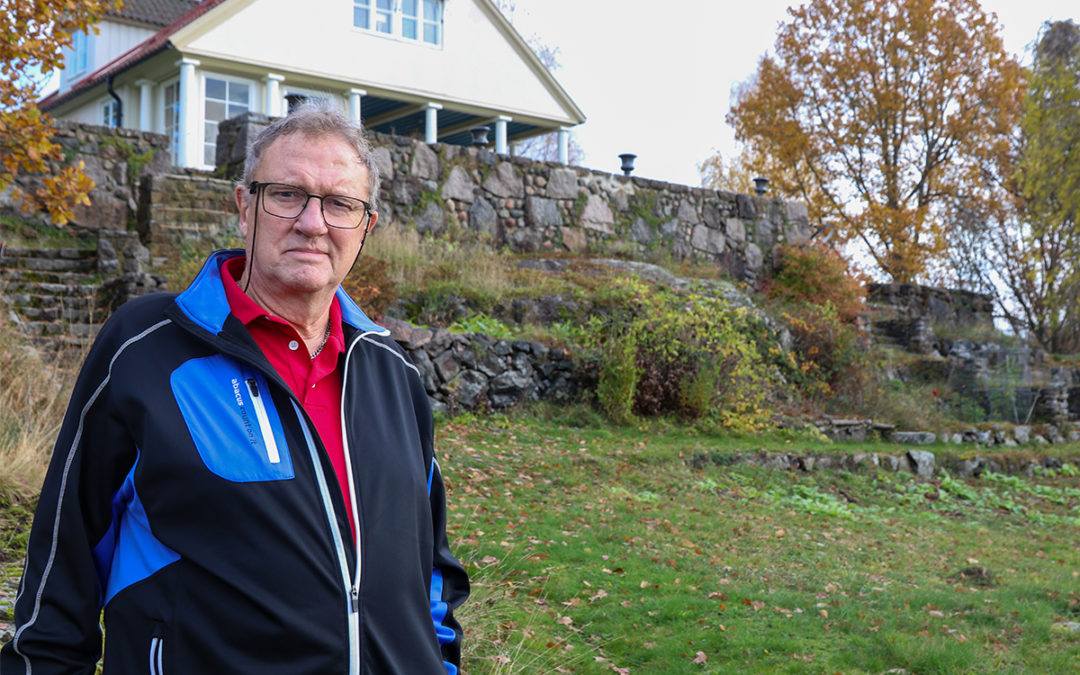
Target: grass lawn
(598, 550)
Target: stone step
(66, 253)
(51, 280)
(54, 329)
(83, 300)
(50, 264)
(60, 314)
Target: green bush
(668, 353)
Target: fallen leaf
(700, 658)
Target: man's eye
(285, 194)
(340, 203)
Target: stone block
(921, 463)
(597, 215)
(459, 186)
(708, 240)
(542, 213)
(505, 181)
(425, 163)
(562, 184)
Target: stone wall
(521, 204)
(117, 160)
(531, 206)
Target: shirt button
(294, 345)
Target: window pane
(382, 23)
(238, 93)
(215, 110)
(432, 10)
(387, 5)
(210, 153)
(431, 33)
(408, 28)
(215, 89)
(235, 110)
(360, 18)
(408, 7)
(210, 132)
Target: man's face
(291, 258)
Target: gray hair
(316, 118)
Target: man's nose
(310, 220)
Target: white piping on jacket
(339, 544)
(63, 487)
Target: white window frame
(110, 111)
(80, 52)
(172, 133)
(203, 82)
(396, 18)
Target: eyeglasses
(289, 201)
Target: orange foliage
(32, 40)
(876, 112)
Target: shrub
(817, 275)
(820, 299)
(675, 353)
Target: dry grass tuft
(33, 395)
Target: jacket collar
(204, 301)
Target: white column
(272, 106)
(431, 122)
(146, 104)
(564, 145)
(190, 119)
(500, 134)
(354, 103)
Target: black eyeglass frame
(254, 186)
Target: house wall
(111, 40)
(480, 78)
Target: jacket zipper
(355, 590)
(264, 422)
(351, 589)
(157, 646)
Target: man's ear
(244, 208)
(371, 223)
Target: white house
(425, 68)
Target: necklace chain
(325, 337)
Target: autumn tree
(34, 36)
(1038, 247)
(874, 112)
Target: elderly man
(245, 479)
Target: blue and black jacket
(191, 497)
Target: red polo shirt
(316, 382)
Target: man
(245, 478)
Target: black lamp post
(479, 135)
(627, 162)
(761, 184)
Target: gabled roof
(153, 12)
(144, 50)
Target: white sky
(655, 79)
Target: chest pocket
(232, 420)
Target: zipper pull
(253, 387)
(354, 595)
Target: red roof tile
(155, 12)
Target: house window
(222, 99)
(171, 126)
(110, 113)
(419, 20)
(80, 52)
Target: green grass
(595, 549)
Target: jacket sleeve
(449, 582)
(58, 607)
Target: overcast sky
(655, 79)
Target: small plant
(484, 325)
